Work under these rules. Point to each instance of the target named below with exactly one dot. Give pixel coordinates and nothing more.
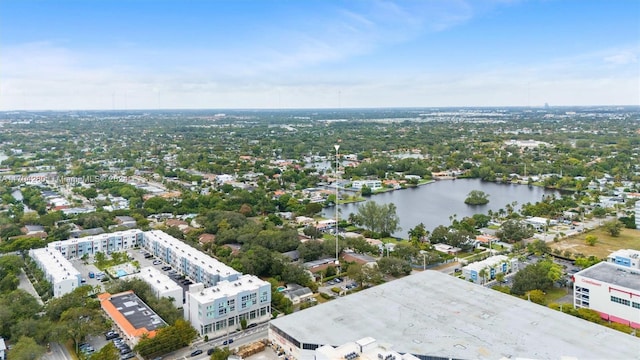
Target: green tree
(540, 275)
(394, 266)
(514, 231)
(586, 262)
(381, 219)
(477, 197)
(365, 275)
(107, 352)
(483, 274)
(25, 348)
(220, 353)
(311, 250)
(536, 296)
(613, 227)
(599, 212)
(15, 306)
(418, 234)
(538, 247)
(591, 239)
(78, 323)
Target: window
(618, 300)
(263, 296)
(636, 305)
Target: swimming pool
(121, 273)
(281, 288)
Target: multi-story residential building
(90, 245)
(217, 286)
(610, 289)
(199, 267)
(637, 214)
(220, 309)
(64, 278)
(625, 257)
(161, 284)
(492, 266)
(371, 184)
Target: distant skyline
(279, 54)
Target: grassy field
(628, 239)
(555, 294)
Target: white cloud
(622, 58)
(308, 66)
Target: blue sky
(170, 54)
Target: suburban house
(447, 249)
(371, 184)
(297, 294)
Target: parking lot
(343, 283)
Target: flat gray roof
(613, 274)
(431, 313)
(136, 311)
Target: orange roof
(121, 320)
(486, 238)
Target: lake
(432, 204)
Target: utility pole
(337, 147)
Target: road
(240, 338)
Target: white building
(64, 278)
(492, 265)
(432, 315)
(219, 309)
(610, 289)
(161, 284)
(224, 178)
(3, 348)
(198, 266)
(540, 223)
(637, 214)
(371, 184)
(90, 245)
(625, 257)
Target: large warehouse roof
(435, 314)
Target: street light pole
(337, 147)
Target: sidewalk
(26, 285)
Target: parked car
(109, 335)
(127, 356)
(157, 262)
(227, 342)
(166, 268)
(210, 351)
(252, 325)
(196, 353)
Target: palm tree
(483, 275)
